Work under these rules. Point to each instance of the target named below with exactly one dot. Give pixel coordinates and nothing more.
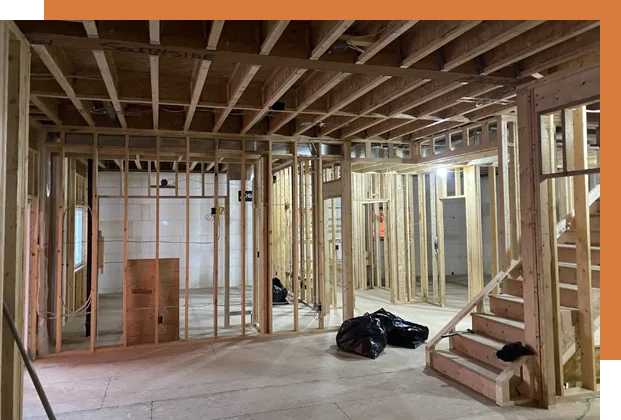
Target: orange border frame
(365, 9)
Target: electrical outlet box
(221, 210)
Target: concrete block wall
(141, 214)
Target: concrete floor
(302, 377)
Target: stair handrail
(473, 303)
(561, 226)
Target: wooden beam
(61, 70)
(429, 36)
(243, 73)
(198, 80)
(275, 28)
(108, 72)
(267, 60)
(482, 38)
(48, 107)
(565, 51)
(315, 88)
(326, 33)
(154, 64)
(538, 39)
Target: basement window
(79, 251)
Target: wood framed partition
(560, 91)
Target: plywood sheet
(140, 316)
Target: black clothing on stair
(512, 351)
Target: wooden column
(95, 243)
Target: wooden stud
(583, 252)
(433, 237)
(441, 186)
(549, 244)
(493, 224)
(536, 330)
(318, 209)
(94, 243)
(227, 252)
(504, 193)
(243, 242)
(216, 240)
(125, 233)
(15, 63)
(60, 200)
(186, 294)
(347, 235)
(156, 311)
(422, 233)
(295, 231)
(412, 236)
(473, 231)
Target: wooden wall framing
(554, 93)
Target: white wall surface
(141, 214)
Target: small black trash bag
(279, 292)
(399, 332)
(363, 335)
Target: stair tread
(472, 364)
(490, 342)
(516, 324)
(573, 246)
(505, 296)
(573, 265)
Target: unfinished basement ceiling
(413, 79)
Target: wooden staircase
(470, 358)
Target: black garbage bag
(279, 292)
(363, 335)
(400, 332)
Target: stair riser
(464, 375)
(569, 298)
(514, 287)
(569, 237)
(568, 275)
(569, 255)
(498, 330)
(506, 308)
(477, 350)
(594, 222)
